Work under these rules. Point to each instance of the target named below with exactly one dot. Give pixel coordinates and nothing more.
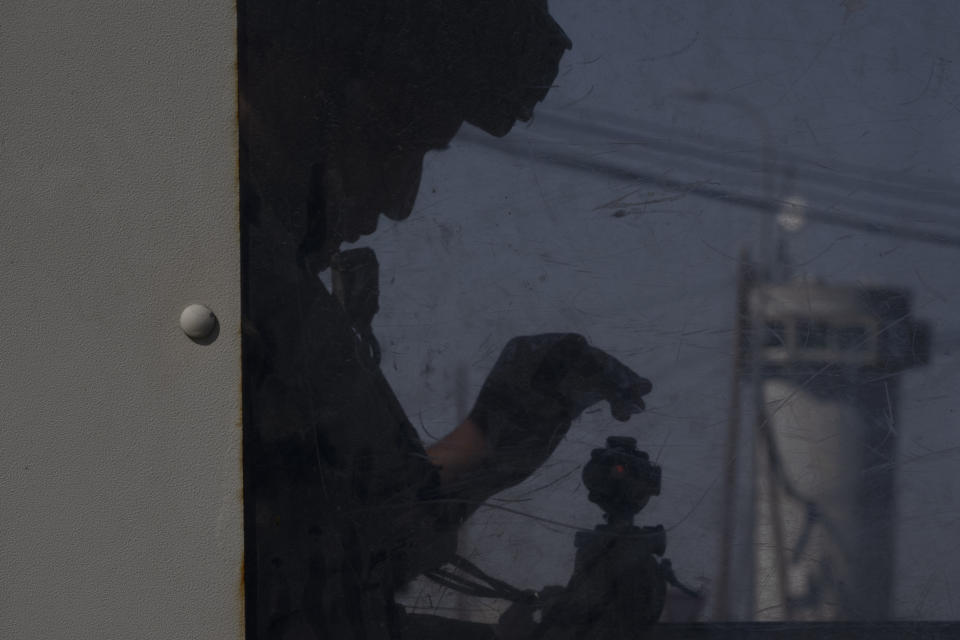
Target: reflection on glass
(852, 339)
(811, 334)
(795, 469)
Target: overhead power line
(769, 206)
(729, 153)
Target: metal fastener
(198, 321)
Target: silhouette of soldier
(340, 100)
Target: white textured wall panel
(120, 456)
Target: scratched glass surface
(677, 135)
(755, 206)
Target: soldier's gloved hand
(537, 387)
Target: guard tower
(828, 361)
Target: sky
(594, 218)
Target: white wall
(120, 457)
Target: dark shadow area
(339, 102)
